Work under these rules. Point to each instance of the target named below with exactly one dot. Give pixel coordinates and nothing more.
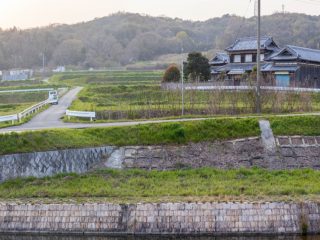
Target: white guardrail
(32, 109)
(9, 118)
(90, 115)
(24, 113)
(28, 90)
(245, 88)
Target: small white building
(59, 69)
(17, 75)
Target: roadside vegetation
(12, 103)
(303, 126)
(180, 185)
(149, 134)
(154, 134)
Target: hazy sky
(32, 13)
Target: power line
(312, 2)
(244, 19)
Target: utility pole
(258, 90)
(182, 88)
(43, 62)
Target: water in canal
(34, 237)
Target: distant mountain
(124, 38)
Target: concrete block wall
(43, 164)
(163, 218)
(290, 153)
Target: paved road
(50, 118)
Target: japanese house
(290, 66)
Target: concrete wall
(163, 218)
(290, 153)
(41, 164)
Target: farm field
(132, 95)
(12, 103)
(107, 78)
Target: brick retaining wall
(163, 218)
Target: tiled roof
(250, 43)
(220, 58)
(271, 67)
(232, 66)
(295, 53)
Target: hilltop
(126, 38)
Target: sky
(36, 13)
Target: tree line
(124, 38)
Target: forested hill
(124, 38)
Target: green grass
(301, 125)
(140, 185)
(147, 101)
(155, 134)
(8, 109)
(13, 103)
(109, 78)
(130, 95)
(149, 134)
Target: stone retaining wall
(42, 164)
(163, 218)
(290, 153)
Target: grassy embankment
(150, 134)
(153, 134)
(179, 185)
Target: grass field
(12, 103)
(130, 95)
(107, 78)
(192, 185)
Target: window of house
(237, 58)
(248, 58)
(262, 57)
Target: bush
(172, 74)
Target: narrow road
(50, 118)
